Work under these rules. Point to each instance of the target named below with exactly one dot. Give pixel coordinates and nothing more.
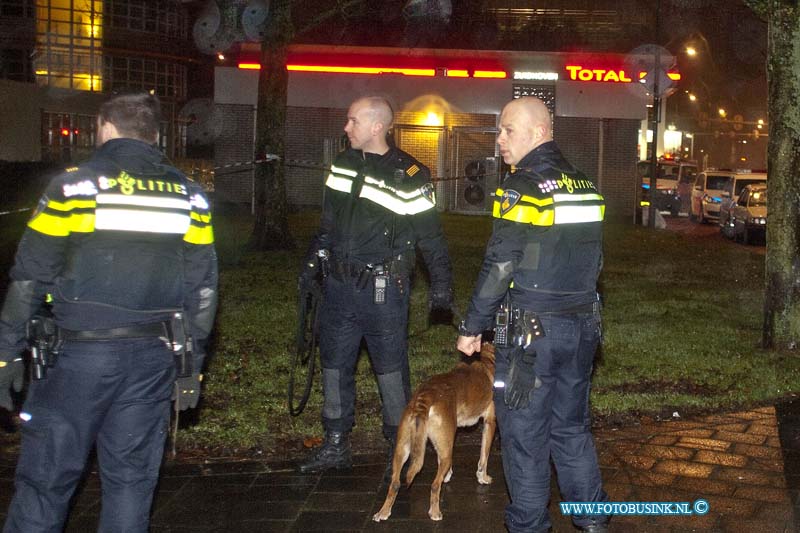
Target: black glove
(11, 376)
(441, 299)
(187, 392)
(521, 379)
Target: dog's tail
(419, 434)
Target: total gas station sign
(610, 75)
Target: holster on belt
(41, 333)
(181, 343)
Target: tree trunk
(271, 228)
(781, 328)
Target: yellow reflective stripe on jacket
(560, 208)
(541, 202)
(199, 234)
(200, 229)
(526, 214)
(61, 225)
(69, 205)
(57, 226)
(200, 218)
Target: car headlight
(760, 220)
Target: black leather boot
(387, 474)
(334, 453)
(596, 528)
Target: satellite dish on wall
(203, 122)
(254, 19)
(435, 10)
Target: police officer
(121, 244)
(540, 274)
(379, 204)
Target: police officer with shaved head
(123, 248)
(538, 290)
(379, 206)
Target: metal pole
(654, 123)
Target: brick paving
(735, 461)
(745, 464)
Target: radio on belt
(381, 281)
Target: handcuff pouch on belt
(182, 346)
(44, 344)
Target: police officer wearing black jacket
(537, 287)
(379, 204)
(123, 246)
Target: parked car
(748, 217)
(707, 194)
(673, 176)
(733, 189)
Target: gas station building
(447, 105)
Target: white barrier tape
(303, 163)
(14, 211)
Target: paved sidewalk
(745, 464)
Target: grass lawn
(682, 324)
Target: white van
(707, 194)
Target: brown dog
(458, 398)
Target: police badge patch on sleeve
(509, 199)
(428, 192)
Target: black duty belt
(590, 307)
(342, 270)
(153, 329)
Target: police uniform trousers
(349, 314)
(555, 424)
(115, 393)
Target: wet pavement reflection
(745, 464)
